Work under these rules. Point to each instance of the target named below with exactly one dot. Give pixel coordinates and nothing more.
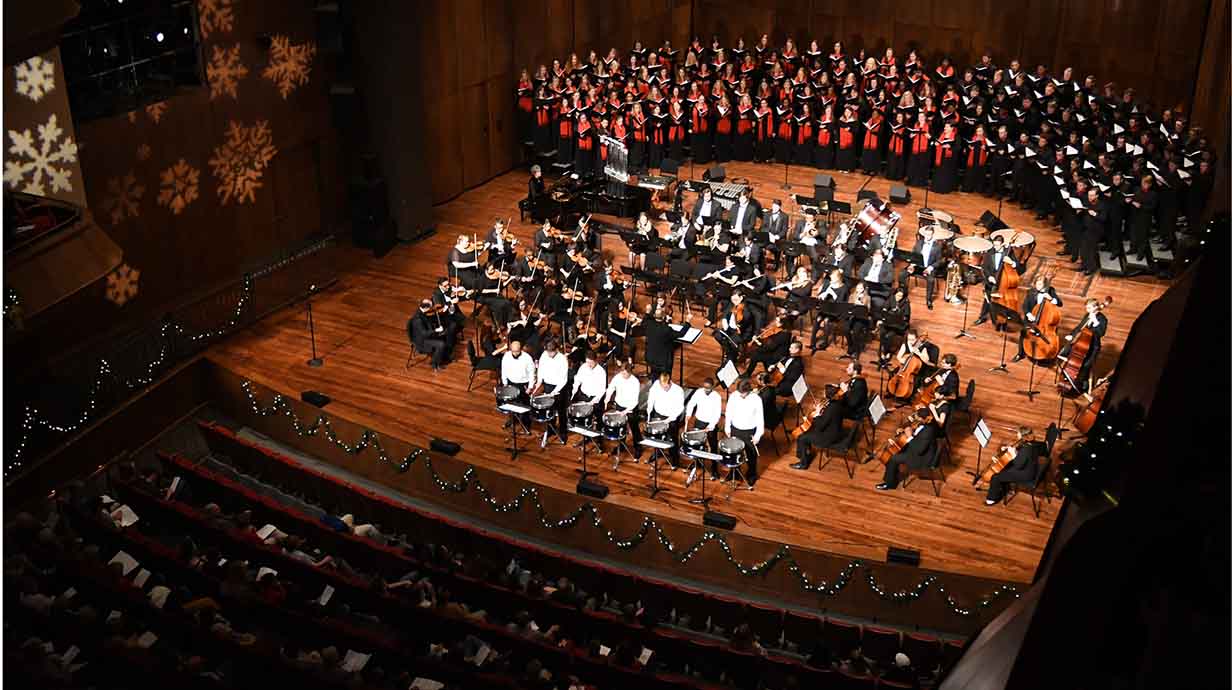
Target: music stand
(658, 448)
(1030, 392)
(699, 458)
(962, 332)
(515, 413)
(587, 435)
(686, 334)
(982, 436)
(1011, 316)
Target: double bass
(902, 383)
(902, 435)
(1006, 293)
(1067, 372)
(1041, 342)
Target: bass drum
(874, 218)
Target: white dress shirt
(668, 403)
(705, 407)
(519, 370)
(925, 251)
(738, 227)
(874, 271)
(625, 390)
(704, 210)
(745, 412)
(592, 381)
(554, 370)
(774, 216)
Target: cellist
(1023, 464)
(919, 347)
(1041, 291)
(848, 402)
(1097, 324)
(922, 429)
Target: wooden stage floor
(360, 326)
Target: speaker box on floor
(899, 194)
(903, 556)
(315, 398)
(592, 489)
(714, 173)
(669, 167)
(440, 445)
(823, 180)
(865, 194)
(719, 520)
(991, 222)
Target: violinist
(892, 321)
(734, 327)
(491, 287)
(995, 262)
(834, 289)
(500, 242)
(445, 296)
(545, 239)
(463, 262)
(846, 401)
(641, 242)
(1041, 291)
(1096, 323)
(609, 292)
(578, 264)
(586, 237)
(769, 347)
(428, 334)
(621, 322)
(922, 429)
(1023, 465)
(525, 326)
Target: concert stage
(361, 335)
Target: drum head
(615, 420)
(695, 438)
(973, 244)
(506, 393)
(1020, 238)
(941, 234)
(657, 428)
(580, 410)
(731, 446)
(942, 217)
(543, 402)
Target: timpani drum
(932, 216)
(876, 217)
(941, 233)
(695, 439)
(579, 414)
(507, 394)
(659, 430)
(1020, 242)
(614, 424)
(971, 250)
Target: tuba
(953, 281)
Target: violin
(1085, 418)
(902, 382)
(902, 436)
(1078, 349)
(1041, 343)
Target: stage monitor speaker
(720, 520)
(823, 180)
(440, 445)
(823, 193)
(669, 167)
(714, 173)
(991, 222)
(865, 194)
(371, 226)
(592, 489)
(315, 398)
(903, 556)
(899, 194)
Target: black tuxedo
(731, 341)
(932, 260)
(1031, 305)
(426, 339)
(793, 371)
(716, 210)
(1022, 468)
(775, 224)
(917, 454)
(660, 345)
(827, 428)
(1097, 333)
(992, 274)
(1094, 223)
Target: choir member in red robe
(699, 141)
(584, 155)
(526, 108)
(845, 158)
(723, 131)
(945, 161)
(802, 151)
(896, 153)
(677, 126)
(656, 136)
(783, 133)
(745, 120)
(825, 139)
(870, 159)
(763, 148)
(637, 138)
(977, 162)
(918, 164)
(545, 138)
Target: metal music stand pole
(962, 332)
(312, 332)
(1030, 392)
(1060, 413)
(1005, 336)
(786, 166)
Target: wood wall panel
(469, 43)
(502, 134)
(474, 135)
(498, 26)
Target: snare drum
(507, 394)
(1020, 242)
(695, 438)
(658, 430)
(579, 413)
(544, 407)
(971, 250)
(732, 450)
(614, 424)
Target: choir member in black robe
(1201, 184)
(545, 137)
(802, 149)
(870, 159)
(656, 137)
(784, 133)
(825, 139)
(700, 142)
(919, 161)
(1118, 211)
(677, 128)
(745, 122)
(637, 140)
(845, 158)
(723, 131)
(945, 160)
(1142, 213)
(977, 162)
(896, 152)
(1094, 220)
(1000, 161)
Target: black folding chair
(845, 446)
(933, 473)
(478, 364)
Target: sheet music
(799, 389)
(981, 432)
(876, 410)
(728, 373)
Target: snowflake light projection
(123, 198)
(215, 15)
(156, 110)
(35, 77)
(47, 163)
(240, 160)
(122, 284)
(224, 71)
(289, 64)
(179, 186)
(143, 152)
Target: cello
(902, 383)
(902, 436)
(1078, 349)
(1085, 418)
(1041, 342)
(925, 395)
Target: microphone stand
(962, 332)
(312, 332)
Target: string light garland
(33, 421)
(369, 439)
